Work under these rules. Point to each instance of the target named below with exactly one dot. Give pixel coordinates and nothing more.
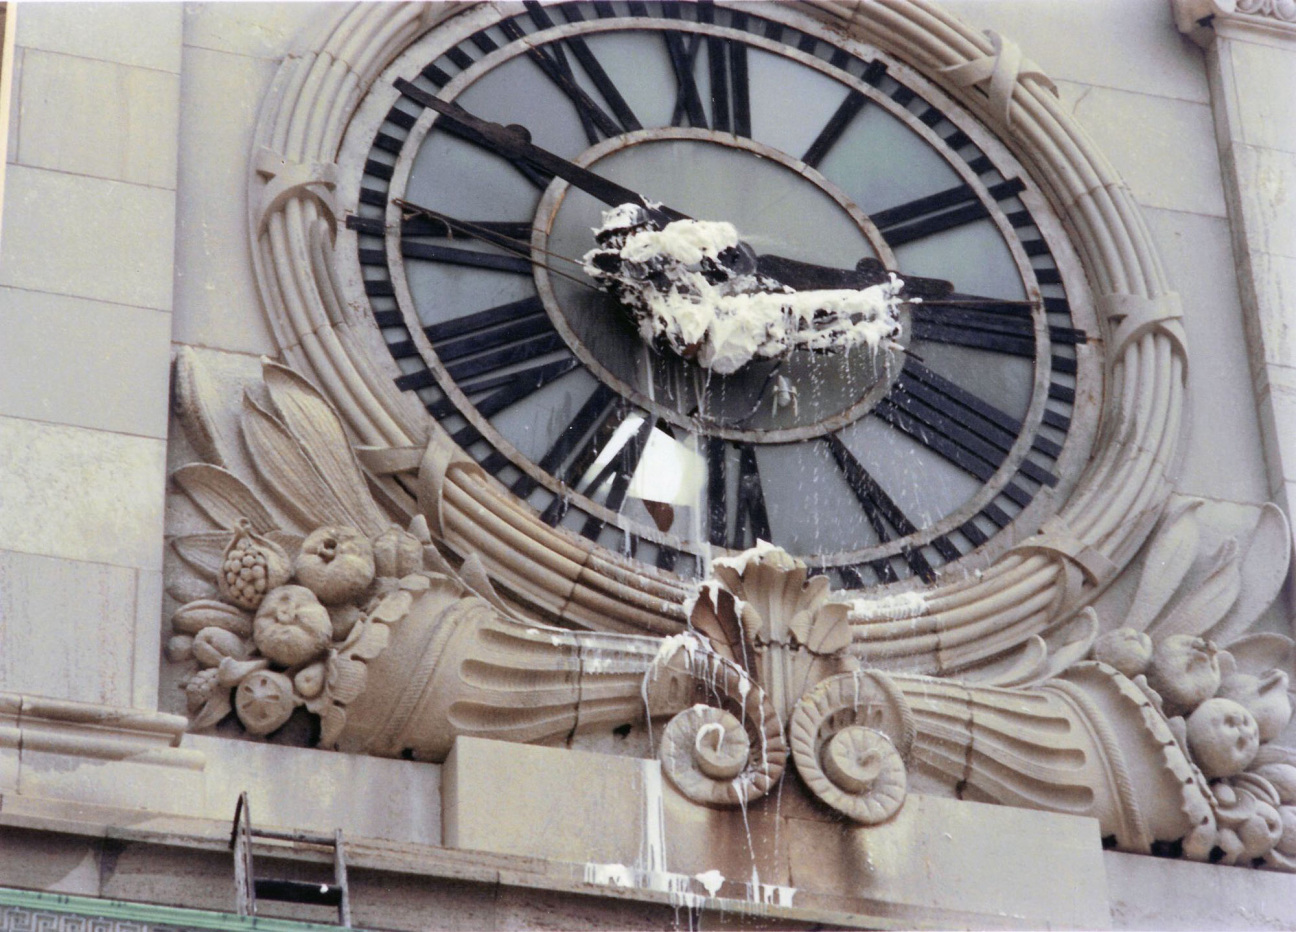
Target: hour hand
(805, 276)
(514, 143)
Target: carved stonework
(1166, 739)
(1200, 20)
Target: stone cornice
(1267, 20)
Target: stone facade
(125, 246)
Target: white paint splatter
(890, 608)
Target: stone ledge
(1204, 20)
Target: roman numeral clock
(526, 205)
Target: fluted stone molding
(1028, 592)
(1202, 20)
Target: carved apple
(292, 626)
(1223, 737)
(1127, 650)
(1264, 696)
(335, 563)
(1185, 672)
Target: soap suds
(692, 286)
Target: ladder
(249, 888)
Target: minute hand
(514, 142)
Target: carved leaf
(1257, 653)
(1081, 634)
(346, 679)
(203, 552)
(715, 617)
(1171, 555)
(222, 497)
(1263, 569)
(316, 426)
(284, 466)
(1202, 609)
(195, 396)
(474, 576)
(1028, 664)
(825, 631)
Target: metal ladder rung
(249, 888)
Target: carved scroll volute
(850, 737)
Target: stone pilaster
(1251, 62)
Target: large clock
(487, 153)
(428, 179)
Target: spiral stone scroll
(728, 750)
(850, 737)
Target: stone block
(81, 494)
(1141, 50)
(258, 30)
(143, 34)
(318, 791)
(551, 803)
(38, 860)
(1278, 420)
(15, 91)
(85, 363)
(965, 864)
(10, 739)
(98, 118)
(70, 234)
(1164, 149)
(216, 299)
(1264, 79)
(1157, 893)
(68, 628)
(1198, 258)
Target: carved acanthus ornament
(309, 599)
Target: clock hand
(494, 237)
(805, 276)
(514, 142)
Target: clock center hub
(779, 206)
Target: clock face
(831, 161)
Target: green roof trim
(149, 913)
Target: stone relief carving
(306, 597)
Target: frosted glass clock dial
(489, 153)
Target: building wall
(123, 236)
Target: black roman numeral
(751, 518)
(884, 515)
(954, 423)
(983, 323)
(936, 213)
(730, 90)
(620, 469)
(850, 108)
(683, 50)
(553, 62)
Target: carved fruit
(209, 613)
(1287, 844)
(1222, 737)
(310, 680)
(1264, 696)
(1127, 650)
(264, 701)
(251, 567)
(212, 645)
(292, 627)
(336, 563)
(179, 649)
(1185, 672)
(397, 553)
(199, 688)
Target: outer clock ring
(1024, 593)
